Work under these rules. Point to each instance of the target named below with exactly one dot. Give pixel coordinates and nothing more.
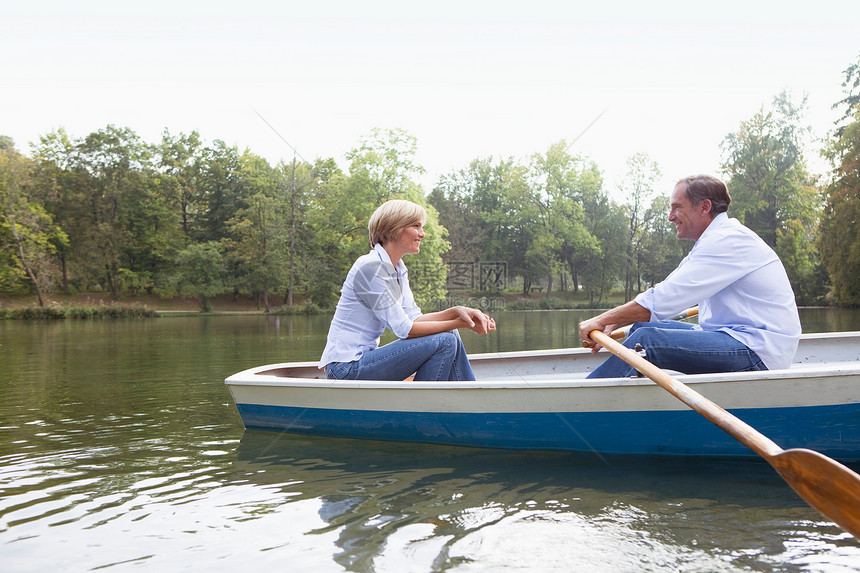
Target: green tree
(114, 159)
(383, 165)
(851, 101)
(767, 173)
(515, 237)
(638, 190)
(560, 180)
(258, 239)
(540, 219)
(198, 271)
(326, 228)
(298, 182)
(600, 271)
(222, 189)
(796, 247)
(588, 266)
(838, 240)
(181, 164)
(62, 191)
(27, 231)
(119, 219)
(463, 198)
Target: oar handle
(615, 334)
(686, 313)
(737, 428)
(622, 332)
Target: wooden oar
(622, 332)
(825, 484)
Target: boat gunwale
(259, 375)
(250, 377)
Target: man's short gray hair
(701, 187)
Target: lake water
(121, 450)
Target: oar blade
(825, 484)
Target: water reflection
(459, 509)
(121, 449)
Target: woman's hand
(475, 320)
(451, 319)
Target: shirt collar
(383, 256)
(715, 223)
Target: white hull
(540, 399)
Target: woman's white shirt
(374, 296)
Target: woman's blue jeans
(676, 346)
(435, 357)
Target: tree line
(112, 212)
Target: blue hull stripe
(831, 430)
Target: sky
(468, 79)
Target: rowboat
(541, 400)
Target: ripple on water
(138, 462)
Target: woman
(376, 295)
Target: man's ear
(705, 206)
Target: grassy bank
(225, 303)
(98, 305)
(55, 312)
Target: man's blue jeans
(676, 346)
(435, 357)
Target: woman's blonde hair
(390, 218)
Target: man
(747, 314)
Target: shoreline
(220, 305)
